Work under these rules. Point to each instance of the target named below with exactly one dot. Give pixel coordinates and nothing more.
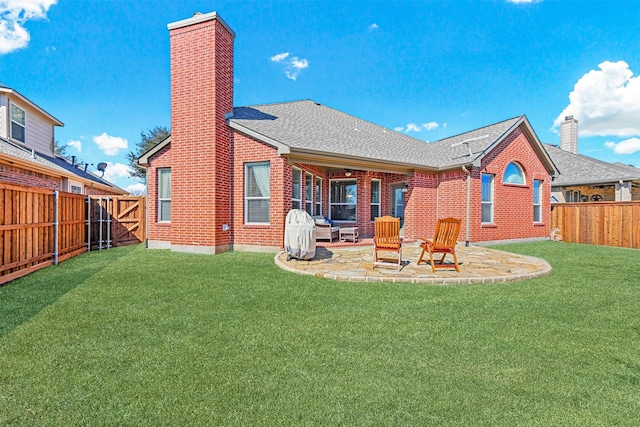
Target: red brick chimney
(201, 95)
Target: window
(308, 193)
(537, 201)
(76, 189)
(487, 198)
(318, 196)
(296, 189)
(572, 196)
(375, 199)
(18, 123)
(257, 193)
(342, 200)
(164, 195)
(513, 174)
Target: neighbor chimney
(569, 134)
(201, 95)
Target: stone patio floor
(477, 265)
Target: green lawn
(136, 337)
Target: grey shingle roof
(455, 149)
(309, 126)
(577, 169)
(55, 163)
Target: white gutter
(467, 220)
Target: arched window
(513, 174)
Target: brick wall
(513, 204)
(157, 231)
(201, 95)
(432, 196)
(13, 175)
(248, 150)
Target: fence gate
(40, 227)
(115, 221)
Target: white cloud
(115, 171)
(279, 57)
(138, 189)
(605, 102)
(293, 65)
(444, 125)
(110, 145)
(373, 26)
(398, 128)
(628, 146)
(13, 15)
(75, 144)
(412, 127)
(430, 125)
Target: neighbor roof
(52, 164)
(578, 169)
(308, 131)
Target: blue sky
(431, 69)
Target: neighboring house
(27, 154)
(585, 179)
(226, 177)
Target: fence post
(56, 242)
(88, 223)
(109, 210)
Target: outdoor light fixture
(405, 189)
(347, 172)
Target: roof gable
(26, 102)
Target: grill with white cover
(300, 235)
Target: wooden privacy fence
(598, 223)
(40, 227)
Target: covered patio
(478, 264)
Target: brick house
(585, 179)
(27, 151)
(226, 177)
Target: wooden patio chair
(387, 239)
(444, 242)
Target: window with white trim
(375, 199)
(343, 200)
(487, 198)
(164, 194)
(513, 174)
(308, 193)
(296, 188)
(18, 123)
(573, 196)
(318, 196)
(257, 193)
(537, 200)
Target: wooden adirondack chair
(387, 239)
(444, 242)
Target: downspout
(56, 227)
(146, 206)
(467, 220)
